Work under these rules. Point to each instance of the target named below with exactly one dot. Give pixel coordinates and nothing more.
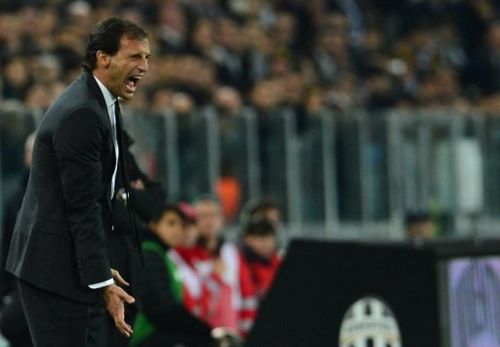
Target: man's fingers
(115, 297)
(119, 318)
(123, 327)
(118, 278)
(124, 296)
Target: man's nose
(143, 65)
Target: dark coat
(173, 322)
(60, 241)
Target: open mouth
(132, 82)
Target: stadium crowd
(307, 55)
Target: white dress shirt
(110, 101)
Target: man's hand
(114, 297)
(118, 278)
(224, 337)
(138, 184)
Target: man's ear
(103, 59)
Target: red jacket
(256, 275)
(206, 294)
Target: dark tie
(121, 164)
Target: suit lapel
(92, 83)
(94, 87)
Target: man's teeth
(131, 85)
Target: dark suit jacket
(60, 241)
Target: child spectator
(163, 320)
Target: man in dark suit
(59, 250)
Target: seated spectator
(210, 224)
(267, 208)
(164, 321)
(206, 294)
(258, 264)
(190, 261)
(223, 255)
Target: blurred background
(370, 119)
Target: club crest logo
(369, 322)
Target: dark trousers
(55, 321)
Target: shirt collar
(108, 97)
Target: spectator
(283, 32)
(332, 54)
(13, 323)
(210, 223)
(203, 40)
(419, 226)
(259, 48)
(471, 20)
(228, 102)
(230, 56)
(223, 254)
(172, 28)
(206, 295)
(267, 95)
(16, 79)
(484, 68)
(380, 90)
(164, 321)
(257, 268)
(267, 208)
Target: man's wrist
(102, 284)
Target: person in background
(206, 294)
(267, 208)
(164, 321)
(12, 321)
(210, 223)
(222, 258)
(420, 226)
(194, 265)
(258, 264)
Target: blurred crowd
(307, 55)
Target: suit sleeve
(160, 305)
(78, 144)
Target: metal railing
(350, 175)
